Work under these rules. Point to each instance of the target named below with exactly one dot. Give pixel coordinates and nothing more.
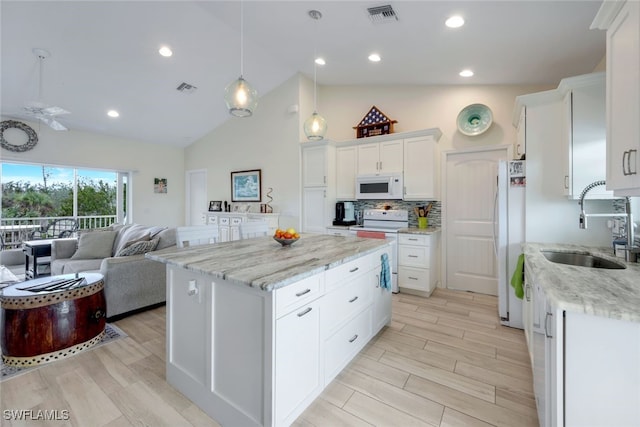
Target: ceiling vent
(186, 88)
(382, 14)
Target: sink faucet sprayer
(631, 251)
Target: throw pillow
(144, 238)
(139, 248)
(94, 245)
(127, 234)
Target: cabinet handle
(624, 169)
(302, 313)
(355, 337)
(566, 182)
(413, 278)
(306, 291)
(518, 150)
(629, 162)
(546, 323)
(527, 292)
(413, 240)
(380, 165)
(324, 179)
(353, 299)
(353, 270)
(413, 256)
(377, 280)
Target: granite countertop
(602, 292)
(416, 230)
(263, 263)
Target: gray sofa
(132, 282)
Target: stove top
(387, 220)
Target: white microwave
(388, 186)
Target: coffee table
(51, 318)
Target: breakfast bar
(256, 330)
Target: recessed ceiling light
(113, 113)
(454, 22)
(165, 51)
(466, 73)
(374, 57)
(320, 61)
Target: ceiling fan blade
(54, 111)
(53, 124)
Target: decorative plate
(32, 137)
(474, 119)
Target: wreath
(31, 134)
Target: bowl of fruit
(286, 237)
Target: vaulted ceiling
(104, 54)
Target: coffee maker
(345, 214)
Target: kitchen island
(255, 331)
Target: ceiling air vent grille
(186, 88)
(382, 14)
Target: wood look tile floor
(443, 361)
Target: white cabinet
(623, 94)
(338, 231)
(584, 134)
(417, 266)
(228, 223)
(381, 297)
(527, 313)
(318, 186)
(346, 166)
(421, 168)
(521, 140)
(380, 157)
(297, 359)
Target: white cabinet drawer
(236, 221)
(224, 220)
(212, 220)
(297, 294)
(345, 301)
(344, 344)
(347, 271)
(414, 239)
(415, 278)
(414, 256)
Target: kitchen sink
(581, 259)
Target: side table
(33, 250)
(51, 318)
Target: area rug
(111, 333)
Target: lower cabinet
(585, 367)
(417, 263)
(250, 357)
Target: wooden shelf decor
(374, 123)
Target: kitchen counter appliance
(384, 224)
(345, 214)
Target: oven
(384, 224)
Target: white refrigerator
(509, 234)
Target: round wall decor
(474, 119)
(31, 140)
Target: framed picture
(215, 206)
(246, 186)
(160, 185)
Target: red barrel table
(51, 318)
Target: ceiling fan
(38, 109)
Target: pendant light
(240, 97)
(315, 127)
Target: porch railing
(16, 230)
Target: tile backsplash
(434, 215)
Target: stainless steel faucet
(631, 251)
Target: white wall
(147, 161)
(269, 140)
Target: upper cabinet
(346, 166)
(318, 185)
(574, 116)
(315, 163)
(380, 158)
(622, 22)
(584, 134)
(421, 168)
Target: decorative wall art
(160, 185)
(374, 123)
(17, 142)
(246, 186)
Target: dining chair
(195, 235)
(251, 229)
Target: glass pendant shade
(241, 98)
(315, 127)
